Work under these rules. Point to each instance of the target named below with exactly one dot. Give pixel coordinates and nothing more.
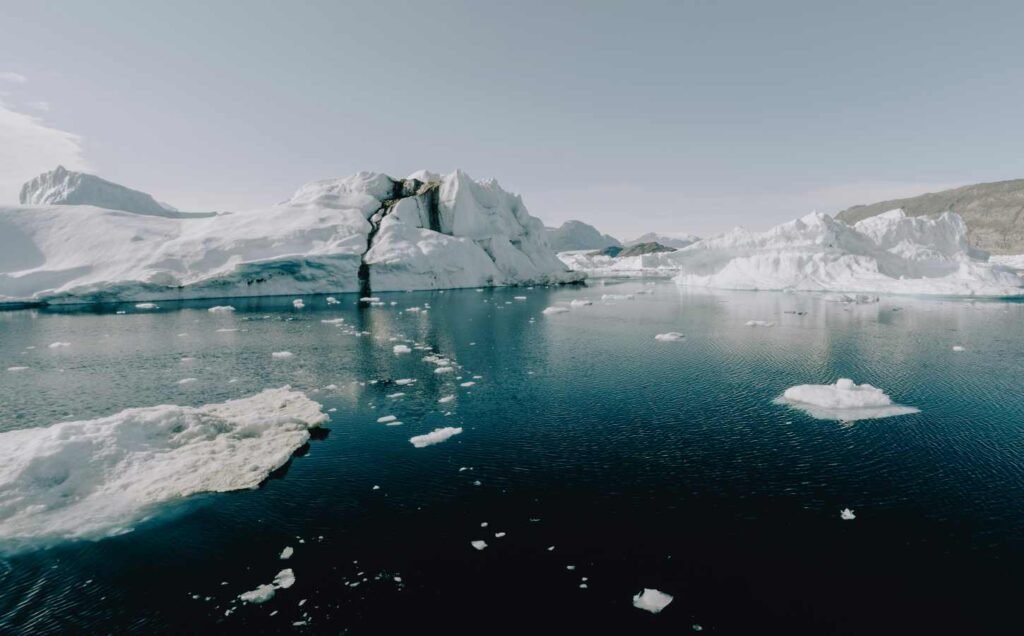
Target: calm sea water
(644, 463)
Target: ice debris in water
(478, 544)
(847, 515)
(96, 478)
(843, 401)
(147, 306)
(186, 381)
(955, 348)
(59, 345)
(281, 355)
(519, 297)
(581, 303)
(671, 336)
(617, 297)
(298, 303)
(760, 323)
(331, 300)
(652, 600)
(405, 381)
(395, 395)
(446, 399)
(333, 321)
(444, 370)
(16, 369)
(436, 436)
(386, 419)
(401, 348)
(466, 385)
(287, 553)
(221, 309)
(555, 310)
(284, 580)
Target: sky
(684, 116)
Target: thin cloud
(11, 76)
(31, 147)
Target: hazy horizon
(689, 117)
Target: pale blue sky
(635, 116)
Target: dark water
(646, 464)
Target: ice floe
(401, 348)
(282, 355)
(555, 310)
(652, 600)
(847, 515)
(95, 478)
(844, 401)
(221, 309)
(760, 323)
(436, 436)
(671, 336)
(59, 345)
(478, 544)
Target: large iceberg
(96, 478)
(65, 187)
(367, 231)
(889, 253)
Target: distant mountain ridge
(993, 212)
(676, 241)
(577, 235)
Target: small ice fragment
(581, 303)
(671, 336)
(499, 535)
(483, 525)
(697, 628)
(478, 544)
(847, 515)
(395, 395)
(551, 548)
(188, 359)
(477, 482)
(436, 436)
(405, 381)
(386, 419)
(570, 567)
(555, 310)
(651, 600)
(331, 300)
(287, 553)
(845, 401)
(226, 330)
(298, 304)
(760, 323)
(281, 355)
(369, 299)
(221, 309)
(146, 306)
(446, 399)
(519, 297)
(15, 369)
(401, 348)
(375, 487)
(59, 345)
(186, 381)
(955, 348)
(583, 586)
(444, 370)
(333, 321)
(466, 385)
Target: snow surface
(436, 436)
(96, 478)
(890, 253)
(845, 400)
(652, 600)
(64, 187)
(312, 243)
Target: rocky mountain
(676, 241)
(993, 212)
(577, 235)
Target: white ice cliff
(888, 253)
(359, 233)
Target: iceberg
(891, 253)
(95, 478)
(652, 600)
(364, 233)
(844, 401)
(436, 436)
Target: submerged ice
(94, 478)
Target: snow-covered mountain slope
(668, 240)
(992, 212)
(367, 232)
(577, 235)
(889, 253)
(64, 187)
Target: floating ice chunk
(446, 399)
(298, 303)
(617, 296)
(395, 395)
(580, 302)
(221, 309)
(287, 553)
(478, 544)
(261, 594)
(499, 535)
(851, 299)
(555, 310)
(760, 323)
(96, 478)
(331, 300)
(478, 377)
(444, 370)
(147, 306)
(187, 381)
(955, 348)
(671, 336)
(401, 348)
(386, 419)
(466, 385)
(519, 297)
(375, 487)
(59, 345)
(483, 524)
(847, 515)
(651, 600)
(394, 423)
(333, 321)
(284, 579)
(16, 369)
(436, 436)
(844, 401)
(282, 355)
(226, 330)
(369, 299)
(405, 381)
(188, 359)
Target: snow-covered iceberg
(889, 253)
(65, 187)
(96, 478)
(845, 401)
(367, 231)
